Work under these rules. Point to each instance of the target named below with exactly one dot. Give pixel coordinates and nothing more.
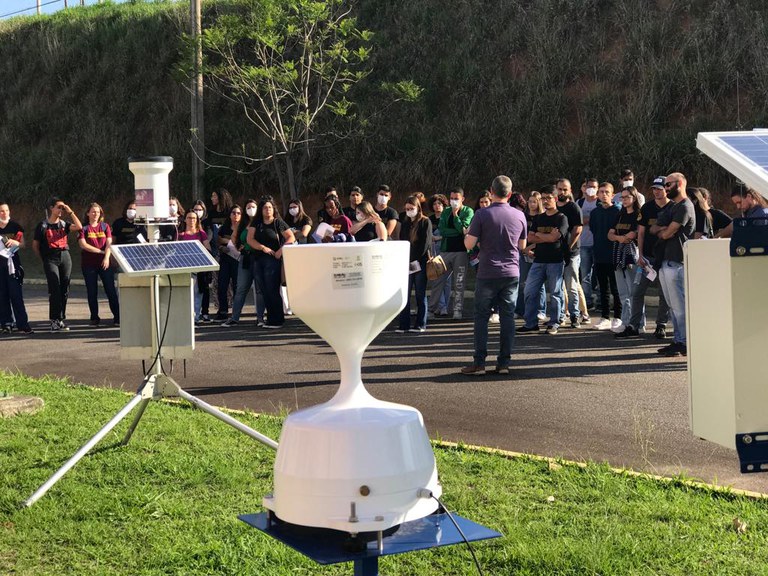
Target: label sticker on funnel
(347, 272)
(144, 196)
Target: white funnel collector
(355, 463)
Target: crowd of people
(594, 253)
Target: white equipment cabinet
(727, 342)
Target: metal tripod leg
(205, 407)
(139, 414)
(83, 451)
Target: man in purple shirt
(500, 231)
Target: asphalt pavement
(578, 395)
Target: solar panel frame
(743, 153)
(179, 257)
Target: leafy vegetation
(534, 89)
(168, 504)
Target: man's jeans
(672, 279)
(637, 320)
(525, 266)
(587, 256)
(538, 275)
(571, 280)
(457, 263)
(490, 292)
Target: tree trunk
(290, 173)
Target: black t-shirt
(298, 224)
(684, 214)
(649, 214)
(626, 223)
(350, 213)
(422, 241)
(720, 220)
(550, 252)
(703, 224)
(125, 232)
(386, 215)
(52, 237)
(454, 243)
(366, 233)
(572, 213)
(270, 235)
(12, 231)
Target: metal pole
(38, 7)
(197, 118)
(205, 407)
(83, 451)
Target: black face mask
(674, 192)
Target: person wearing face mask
(298, 221)
(169, 232)
(416, 229)
(453, 226)
(11, 275)
(675, 227)
(228, 261)
(388, 215)
(124, 229)
(51, 244)
(587, 249)
(207, 281)
(367, 226)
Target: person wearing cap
(675, 228)
(646, 244)
(500, 232)
(587, 250)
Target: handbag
(435, 266)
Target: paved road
(578, 395)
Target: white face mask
(383, 199)
(199, 213)
(130, 214)
(360, 217)
(173, 209)
(628, 183)
(411, 213)
(293, 211)
(455, 203)
(251, 212)
(591, 191)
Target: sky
(29, 7)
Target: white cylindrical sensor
(151, 185)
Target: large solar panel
(164, 257)
(743, 154)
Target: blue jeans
(490, 292)
(11, 299)
(228, 268)
(539, 275)
(625, 283)
(637, 320)
(571, 281)
(672, 279)
(91, 277)
(587, 256)
(417, 281)
(245, 279)
(525, 266)
(267, 274)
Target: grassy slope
(167, 504)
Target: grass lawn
(168, 504)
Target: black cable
(471, 551)
(165, 328)
(28, 9)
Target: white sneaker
(617, 326)
(542, 317)
(604, 324)
(494, 319)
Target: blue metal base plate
(326, 546)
